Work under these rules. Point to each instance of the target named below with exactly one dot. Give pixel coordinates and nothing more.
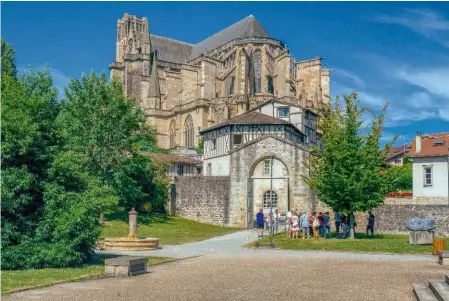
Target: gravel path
(226, 271)
(257, 275)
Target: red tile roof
(173, 159)
(428, 149)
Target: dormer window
(283, 112)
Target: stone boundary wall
(416, 201)
(202, 198)
(393, 218)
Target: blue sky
(389, 51)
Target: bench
(443, 257)
(125, 266)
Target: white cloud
(435, 81)
(425, 22)
(359, 83)
(444, 113)
(366, 98)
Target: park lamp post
(271, 203)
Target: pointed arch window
(189, 133)
(257, 71)
(230, 85)
(270, 86)
(172, 134)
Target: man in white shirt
(276, 218)
(288, 222)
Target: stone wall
(416, 201)
(393, 218)
(202, 198)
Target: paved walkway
(222, 244)
(231, 245)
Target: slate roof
(180, 52)
(173, 159)
(245, 28)
(170, 50)
(428, 149)
(252, 117)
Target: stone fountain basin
(127, 244)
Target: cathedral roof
(179, 52)
(170, 50)
(245, 28)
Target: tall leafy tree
(347, 172)
(50, 204)
(99, 122)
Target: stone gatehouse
(263, 153)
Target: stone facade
(202, 198)
(221, 77)
(393, 218)
(248, 186)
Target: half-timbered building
(265, 158)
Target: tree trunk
(351, 226)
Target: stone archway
(260, 181)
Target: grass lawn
(382, 243)
(171, 230)
(27, 279)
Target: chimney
(418, 142)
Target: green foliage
(8, 59)
(200, 148)
(50, 205)
(400, 178)
(101, 125)
(63, 164)
(347, 173)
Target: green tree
(347, 172)
(400, 178)
(50, 205)
(99, 122)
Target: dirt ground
(255, 276)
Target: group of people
(311, 225)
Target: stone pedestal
(421, 237)
(125, 266)
(443, 257)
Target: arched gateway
(267, 181)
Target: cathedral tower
(136, 64)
